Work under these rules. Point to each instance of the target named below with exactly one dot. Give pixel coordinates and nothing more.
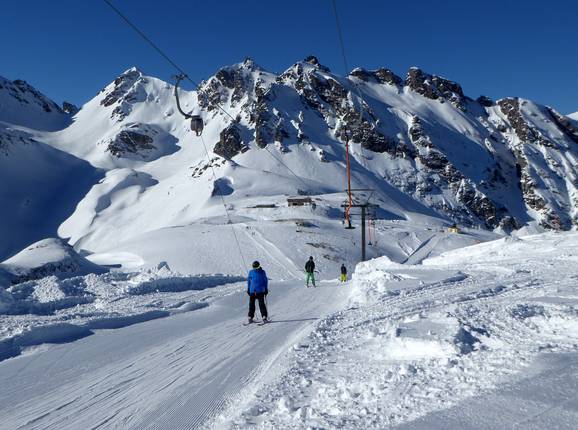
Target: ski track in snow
(274, 253)
(179, 372)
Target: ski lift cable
(346, 71)
(184, 75)
(160, 52)
(223, 202)
(287, 167)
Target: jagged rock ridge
(476, 162)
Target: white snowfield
(483, 337)
(173, 373)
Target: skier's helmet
(311, 258)
(256, 265)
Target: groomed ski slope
(483, 337)
(175, 373)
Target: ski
(250, 323)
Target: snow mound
(48, 257)
(53, 310)
(507, 248)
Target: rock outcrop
(230, 143)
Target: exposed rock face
(340, 105)
(23, 105)
(565, 124)
(230, 143)
(526, 132)
(434, 87)
(369, 138)
(382, 75)
(69, 108)
(485, 101)
(312, 59)
(511, 108)
(417, 135)
(534, 179)
(386, 76)
(229, 85)
(121, 87)
(331, 99)
(124, 92)
(130, 142)
(262, 119)
(478, 203)
(448, 176)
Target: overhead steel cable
(346, 71)
(287, 167)
(160, 51)
(186, 76)
(218, 186)
(200, 91)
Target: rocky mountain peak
(485, 101)
(460, 166)
(123, 92)
(251, 65)
(69, 108)
(381, 75)
(314, 61)
(22, 104)
(435, 87)
(26, 94)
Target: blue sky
(70, 49)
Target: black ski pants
(262, 306)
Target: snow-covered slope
(39, 188)
(22, 104)
(431, 154)
(574, 116)
(481, 338)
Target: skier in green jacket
(310, 269)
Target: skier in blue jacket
(257, 289)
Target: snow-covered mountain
(430, 152)
(39, 184)
(22, 104)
